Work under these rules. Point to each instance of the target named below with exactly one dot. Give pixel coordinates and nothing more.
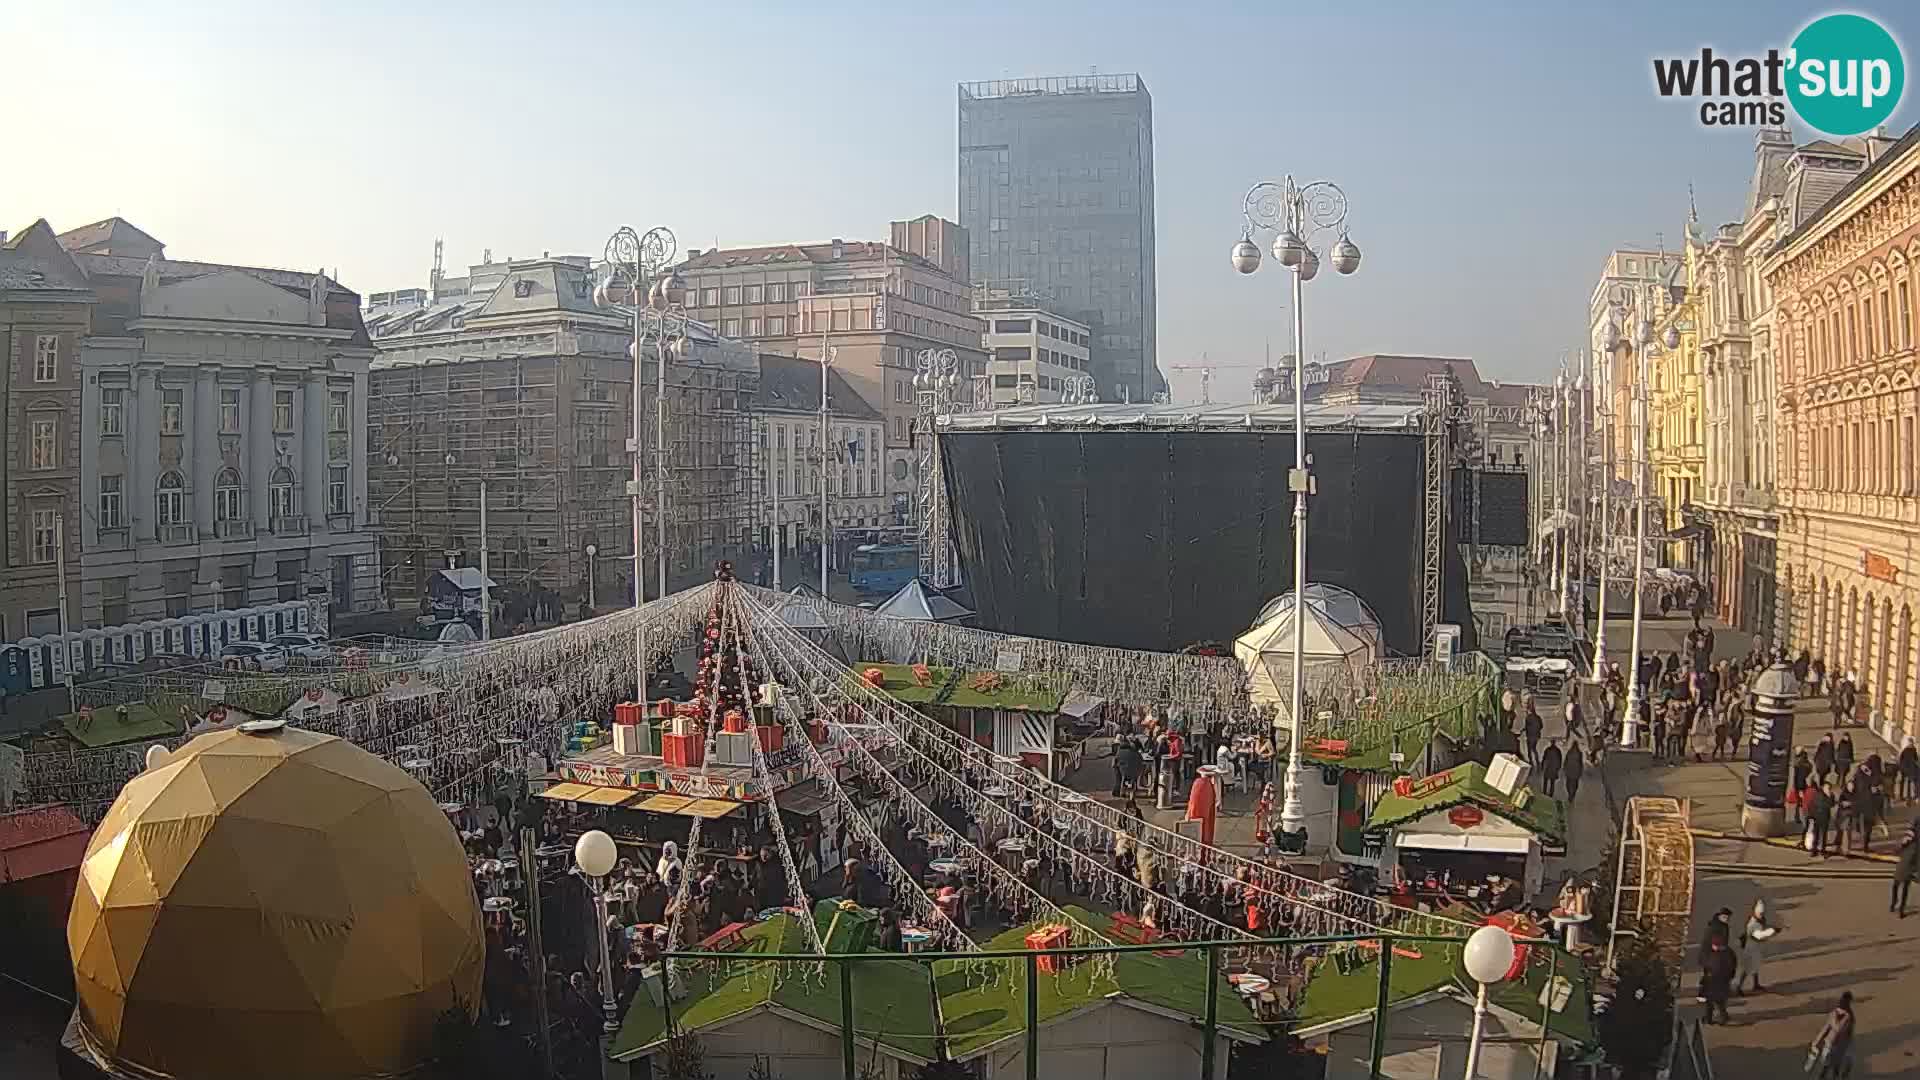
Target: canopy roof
(1340, 605)
(1467, 785)
(922, 603)
(1332, 652)
(468, 579)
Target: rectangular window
(840, 320)
(1906, 455)
(709, 298)
(229, 411)
(46, 536)
(339, 404)
(730, 328)
(233, 586)
(176, 588)
(110, 505)
(280, 496)
(46, 358)
(1853, 335)
(283, 410)
(801, 288)
(43, 447)
(1887, 344)
(753, 327)
(1012, 326)
(172, 406)
(1866, 325)
(112, 399)
(777, 325)
(1906, 315)
(113, 601)
(287, 576)
(337, 505)
(777, 293)
(753, 294)
(732, 295)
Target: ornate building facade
(1844, 282)
(1676, 443)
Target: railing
(233, 529)
(176, 534)
(1547, 982)
(293, 526)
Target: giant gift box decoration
(849, 927)
(683, 751)
(772, 739)
(1050, 936)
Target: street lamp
(638, 259)
(1642, 344)
(592, 551)
(1560, 489)
(595, 855)
(1603, 410)
(1489, 960)
(1296, 215)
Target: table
(1568, 924)
(946, 866)
(995, 792)
(913, 939)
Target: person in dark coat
(1534, 726)
(1576, 766)
(1716, 979)
(1843, 758)
(1909, 764)
(1905, 869)
(850, 880)
(1550, 760)
(770, 886)
(1719, 928)
(1823, 759)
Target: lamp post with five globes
(1296, 215)
(1642, 344)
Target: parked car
(305, 647)
(254, 656)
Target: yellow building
(1677, 445)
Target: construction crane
(1206, 371)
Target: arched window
(280, 491)
(170, 500)
(226, 495)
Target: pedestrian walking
(1533, 727)
(1832, 1049)
(1753, 949)
(1716, 979)
(1659, 733)
(1800, 780)
(1823, 759)
(1816, 677)
(1575, 767)
(1909, 764)
(1550, 761)
(1802, 664)
(1843, 757)
(1837, 701)
(1905, 869)
(1819, 820)
(1576, 719)
(1846, 812)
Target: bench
(726, 939)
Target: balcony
(290, 526)
(234, 529)
(176, 534)
(114, 538)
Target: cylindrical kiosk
(1769, 752)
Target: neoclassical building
(1676, 443)
(1843, 282)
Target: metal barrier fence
(825, 972)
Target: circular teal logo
(1847, 74)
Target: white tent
(1340, 605)
(921, 603)
(1334, 655)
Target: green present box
(848, 930)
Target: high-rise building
(1056, 194)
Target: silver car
(253, 656)
(312, 647)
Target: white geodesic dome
(1331, 655)
(1337, 604)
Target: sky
(1492, 153)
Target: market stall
(1014, 714)
(1456, 835)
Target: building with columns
(223, 414)
(1843, 282)
(1626, 286)
(1676, 438)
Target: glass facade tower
(1056, 194)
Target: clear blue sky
(1493, 152)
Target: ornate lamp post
(1489, 959)
(1642, 344)
(594, 853)
(1297, 215)
(1080, 390)
(935, 381)
(634, 274)
(1603, 394)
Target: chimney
(3, 236)
(693, 253)
(839, 249)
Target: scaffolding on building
(548, 431)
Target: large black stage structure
(1157, 527)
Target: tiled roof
(119, 278)
(790, 383)
(1864, 177)
(37, 824)
(114, 236)
(1409, 372)
(35, 261)
(778, 256)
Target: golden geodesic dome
(272, 903)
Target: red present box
(683, 751)
(663, 709)
(772, 738)
(734, 722)
(1051, 936)
(817, 732)
(626, 712)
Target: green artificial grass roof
(978, 1013)
(948, 686)
(143, 723)
(892, 999)
(1332, 995)
(1467, 784)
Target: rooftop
(1057, 84)
(1404, 419)
(792, 384)
(1467, 785)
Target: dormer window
(523, 288)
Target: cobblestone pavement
(1836, 933)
